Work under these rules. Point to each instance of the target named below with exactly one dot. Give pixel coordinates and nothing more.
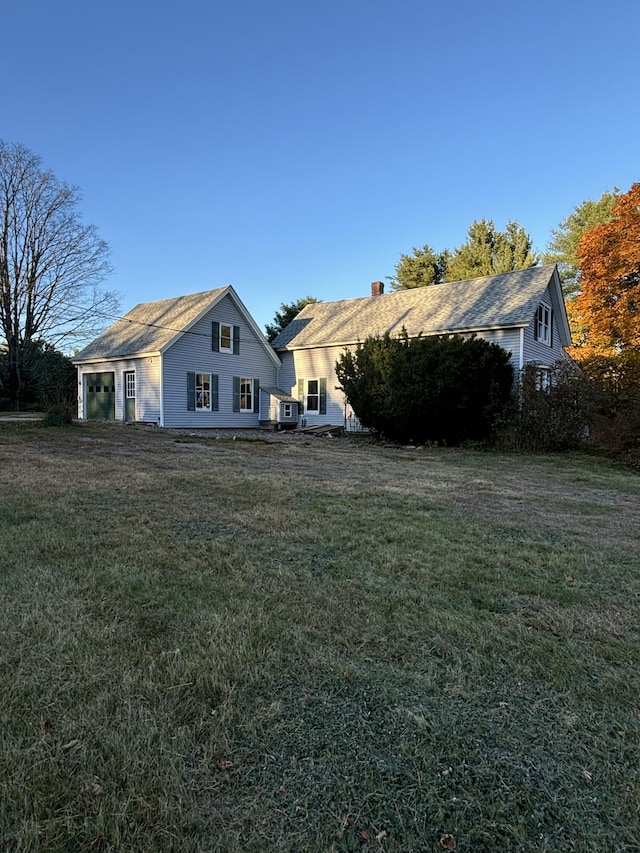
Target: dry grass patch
(319, 645)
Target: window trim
(246, 382)
(312, 394)
(129, 384)
(227, 337)
(233, 338)
(192, 391)
(543, 324)
(302, 393)
(204, 388)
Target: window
(129, 385)
(225, 338)
(313, 395)
(543, 379)
(543, 324)
(203, 392)
(246, 395)
(286, 410)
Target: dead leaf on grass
(381, 836)
(71, 744)
(448, 842)
(588, 777)
(366, 835)
(224, 764)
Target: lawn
(314, 645)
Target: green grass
(319, 645)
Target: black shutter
(236, 340)
(215, 336)
(191, 392)
(236, 393)
(214, 393)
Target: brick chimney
(377, 288)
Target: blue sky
(292, 148)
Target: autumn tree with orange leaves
(606, 313)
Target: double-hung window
(246, 394)
(543, 324)
(202, 392)
(225, 338)
(313, 395)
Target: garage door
(100, 395)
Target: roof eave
(463, 330)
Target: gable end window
(225, 337)
(202, 392)
(543, 329)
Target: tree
(486, 252)
(607, 310)
(445, 389)
(286, 314)
(422, 268)
(489, 252)
(50, 264)
(563, 246)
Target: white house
(522, 311)
(193, 361)
(201, 360)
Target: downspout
(521, 347)
(161, 380)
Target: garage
(100, 395)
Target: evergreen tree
(563, 247)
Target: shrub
(553, 409)
(54, 377)
(617, 378)
(442, 389)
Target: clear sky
(290, 147)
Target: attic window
(543, 324)
(225, 337)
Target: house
(522, 311)
(201, 360)
(193, 361)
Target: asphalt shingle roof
(150, 326)
(510, 299)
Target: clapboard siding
(538, 351)
(319, 363)
(147, 371)
(192, 352)
(508, 339)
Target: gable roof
(152, 327)
(492, 302)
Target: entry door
(129, 395)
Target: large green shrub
(444, 389)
